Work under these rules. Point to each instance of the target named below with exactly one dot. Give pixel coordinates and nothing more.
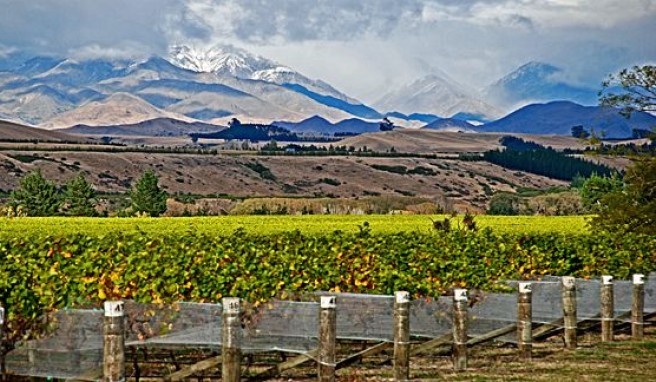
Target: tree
(79, 197)
(579, 131)
(147, 197)
(36, 195)
(386, 125)
(595, 188)
(637, 90)
(634, 208)
(504, 204)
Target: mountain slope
(559, 117)
(437, 95)
(318, 125)
(159, 127)
(119, 108)
(229, 61)
(450, 124)
(537, 82)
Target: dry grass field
(466, 183)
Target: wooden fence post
(569, 311)
(401, 336)
(607, 308)
(231, 338)
(460, 329)
(525, 321)
(114, 342)
(638, 307)
(327, 339)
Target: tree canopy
(631, 90)
(36, 195)
(147, 197)
(79, 197)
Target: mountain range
(210, 87)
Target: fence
(99, 344)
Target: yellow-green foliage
(313, 224)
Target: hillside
(461, 181)
(431, 141)
(14, 132)
(158, 127)
(559, 117)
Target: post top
(2, 315)
(525, 287)
(569, 281)
(231, 305)
(638, 279)
(606, 280)
(402, 297)
(114, 308)
(328, 302)
(460, 294)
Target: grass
(592, 361)
(309, 224)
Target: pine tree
(147, 197)
(80, 197)
(36, 195)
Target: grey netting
(650, 294)
(431, 317)
(622, 299)
(179, 324)
(491, 312)
(70, 348)
(547, 302)
(364, 316)
(287, 326)
(588, 299)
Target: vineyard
(53, 263)
(266, 225)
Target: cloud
(60, 26)
(361, 46)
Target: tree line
(547, 162)
(39, 196)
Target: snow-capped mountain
(53, 92)
(439, 95)
(537, 82)
(226, 60)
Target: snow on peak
(227, 60)
(221, 59)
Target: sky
(362, 47)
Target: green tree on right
(147, 197)
(633, 209)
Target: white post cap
(328, 302)
(2, 315)
(114, 308)
(231, 305)
(402, 297)
(460, 294)
(606, 280)
(569, 281)
(638, 279)
(525, 287)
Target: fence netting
(70, 346)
